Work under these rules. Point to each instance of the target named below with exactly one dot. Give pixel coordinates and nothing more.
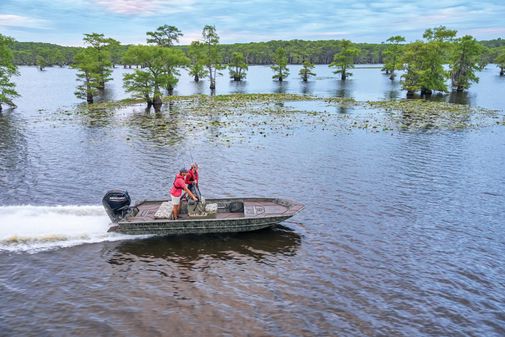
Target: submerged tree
(413, 57)
(86, 63)
(344, 60)
(7, 70)
(424, 62)
(465, 62)
(146, 83)
(103, 62)
(306, 71)
(196, 68)
(238, 67)
(500, 61)
(280, 68)
(211, 57)
(392, 55)
(166, 36)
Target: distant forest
(317, 52)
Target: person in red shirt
(178, 189)
(191, 178)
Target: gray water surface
(402, 232)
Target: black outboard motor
(117, 204)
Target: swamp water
(402, 233)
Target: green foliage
(424, 65)
(392, 55)
(424, 61)
(280, 68)
(211, 56)
(103, 47)
(7, 70)
(86, 63)
(306, 71)
(41, 62)
(26, 53)
(465, 61)
(344, 60)
(159, 71)
(439, 34)
(140, 84)
(164, 36)
(500, 61)
(58, 58)
(413, 59)
(196, 55)
(238, 67)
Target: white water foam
(37, 228)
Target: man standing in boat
(192, 178)
(178, 189)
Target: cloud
(145, 8)
(11, 20)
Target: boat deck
(252, 209)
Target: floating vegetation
(427, 115)
(243, 117)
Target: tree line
(158, 62)
(255, 53)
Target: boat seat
(164, 211)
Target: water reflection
(393, 91)
(307, 88)
(238, 87)
(198, 87)
(161, 128)
(94, 117)
(105, 95)
(464, 97)
(344, 88)
(188, 250)
(281, 87)
(460, 98)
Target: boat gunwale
(292, 206)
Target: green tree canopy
(500, 61)
(103, 47)
(344, 60)
(306, 71)
(280, 68)
(211, 56)
(238, 67)
(7, 70)
(424, 61)
(164, 36)
(196, 68)
(392, 55)
(87, 66)
(465, 62)
(147, 82)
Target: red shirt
(192, 176)
(177, 186)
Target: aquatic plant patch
(243, 117)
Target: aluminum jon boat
(225, 215)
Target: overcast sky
(65, 21)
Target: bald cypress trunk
(157, 103)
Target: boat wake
(37, 228)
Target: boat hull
(258, 213)
(195, 227)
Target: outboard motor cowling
(117, 204)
